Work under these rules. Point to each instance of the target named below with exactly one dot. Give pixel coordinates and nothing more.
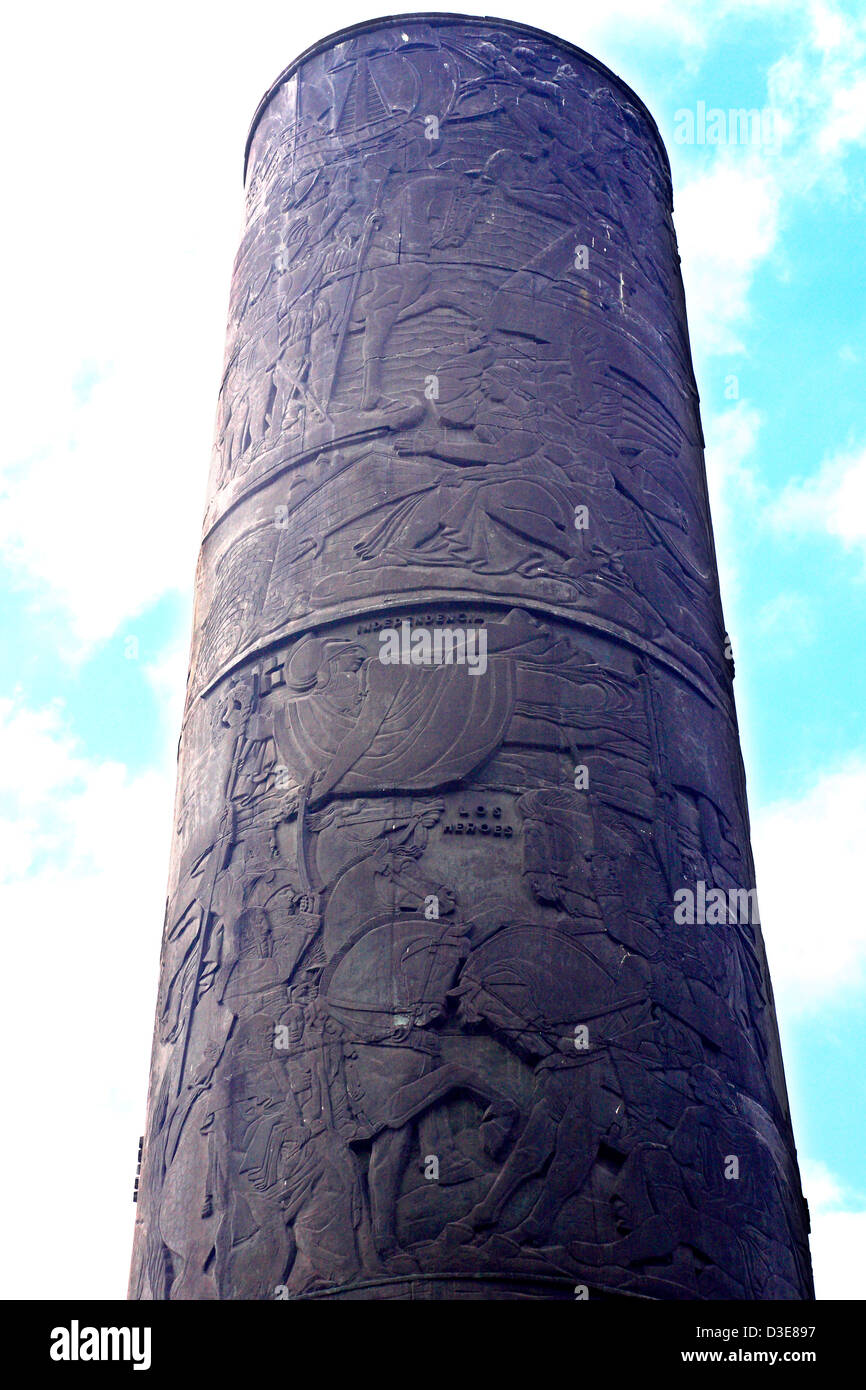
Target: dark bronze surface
(429, 1024)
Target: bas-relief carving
(363, 226)
(454, 1036)
(391, 911)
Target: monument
(462, 988)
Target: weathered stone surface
(428, 1022)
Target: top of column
(420, 27)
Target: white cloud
(846, 119)
(81, 897)
(832, 499)
(105, 521)
(808, 857)
(727, 221)
(821, 1186)
(731, 215)
(838, 1234)
(819, 89)
(128, 177)
(788, 622)
(838, 1240)
(734, 487)
(167, 678)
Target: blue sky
(123, 137)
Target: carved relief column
(462, 989)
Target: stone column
(462, 990)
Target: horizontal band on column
(327, 617)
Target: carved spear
(221, 842)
